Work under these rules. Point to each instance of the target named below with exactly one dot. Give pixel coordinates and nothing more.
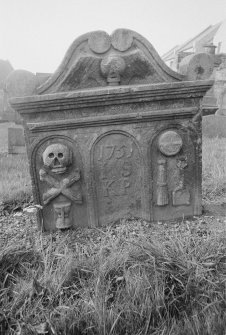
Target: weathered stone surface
(81, 66)
(114, 133)
(197, 66)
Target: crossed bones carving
(60, 187)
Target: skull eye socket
(51, 155)
(60, 155)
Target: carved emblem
(181, 195)
(162, 192)
(112, 67)
(57, 158)
(60, 187)
(62, 211)
(170, 143)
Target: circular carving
(197, 66)
(99, 42)
(122, 39)
(170, 143)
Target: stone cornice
(107, 120)
(110, 96)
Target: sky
(35, 34)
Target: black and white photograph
(112, 167)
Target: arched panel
(118, 177)
(173, 173)
(59, 178)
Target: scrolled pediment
(97, 59)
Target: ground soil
(18, 227)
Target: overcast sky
(35, 34)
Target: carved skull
(57, 157)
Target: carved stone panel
(118, 177)
(174, 174)
(59, 176)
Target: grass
(214, 168)
(214, 126)
(15, 184)
(124, 284)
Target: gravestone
(222, 103)
(114, 133)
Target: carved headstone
(114, 133)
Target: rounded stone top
(20, 83)
(170, 143)
(99, 42)
(197, 66)
(122, 39)
(90, 56)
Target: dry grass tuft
(15, 181)
(126, 286)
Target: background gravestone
(115, 133)
(222, 103)
(16, 140)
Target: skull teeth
(58, 169)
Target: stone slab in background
(16, 140)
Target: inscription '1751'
(117, 174)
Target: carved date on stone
(118, 177)
(170, 143)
